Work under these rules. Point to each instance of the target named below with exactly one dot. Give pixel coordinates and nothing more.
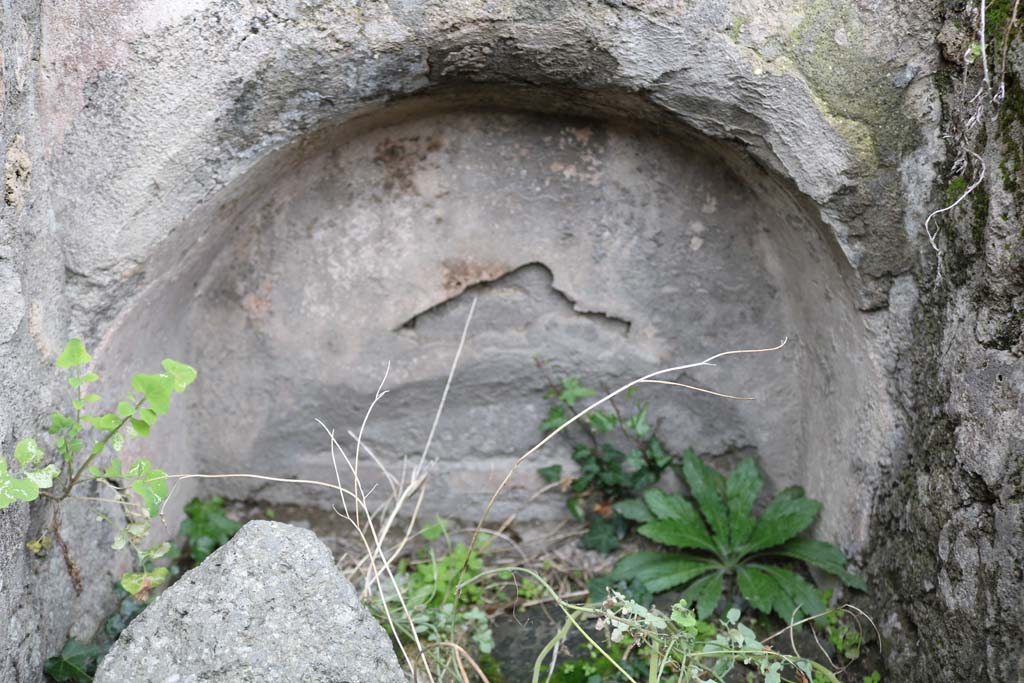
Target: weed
(732, 543)
(138, 488)
(608, 470)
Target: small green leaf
(638, 423)
(436, 529)
(76, 382)
(73, 355)
(141, 428)
(555, 419)
(551, 473)
(183, 374)
(147, 416)
(114, 470)
(13, 489)
(28, 453)
(602, 422)
(91, 398)
(43, 478)
(59, 422)
(576, 509)
(142, 582)
(572, 391)
(76, 663)
(117, 442)
(604, 535)
(634, 509)
(157, 389)
(106, 422)
(207, 527)
(125, 409)
(95, 471)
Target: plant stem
(96, 451)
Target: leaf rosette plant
(727, 542)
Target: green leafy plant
(438, 612)
(76, 662)
(731, 543)
(206, 527)
(619, 457)
(79, 438)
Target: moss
(852, 83)
(738, 22)
(1010, 129)
(998, 27)
(957, 186)
(980, 207)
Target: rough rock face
(267, 607)
(949, 534)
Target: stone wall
(950, 521)
(288, 194)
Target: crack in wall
(528, 288)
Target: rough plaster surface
(267, 606)
(289, 193)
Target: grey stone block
(268, 606)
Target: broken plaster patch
(17, 172)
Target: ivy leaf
(785, 517)
(206, 527)
(59, 422)
(602, 422)
(13, 488)
(572, 391)
(141, 428)
(708, 488)
(76, 382)
(182, 374)
(150, 484)
(28, 453)
(660, 572)
(555, 419)
(551, 473)
(157, 389)
(140, 583)
(638, 423)
(604, 535)
(822, 555)
(575, 506)
(43, 478)
(107, 422)
(73, 355)
(76, 662)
